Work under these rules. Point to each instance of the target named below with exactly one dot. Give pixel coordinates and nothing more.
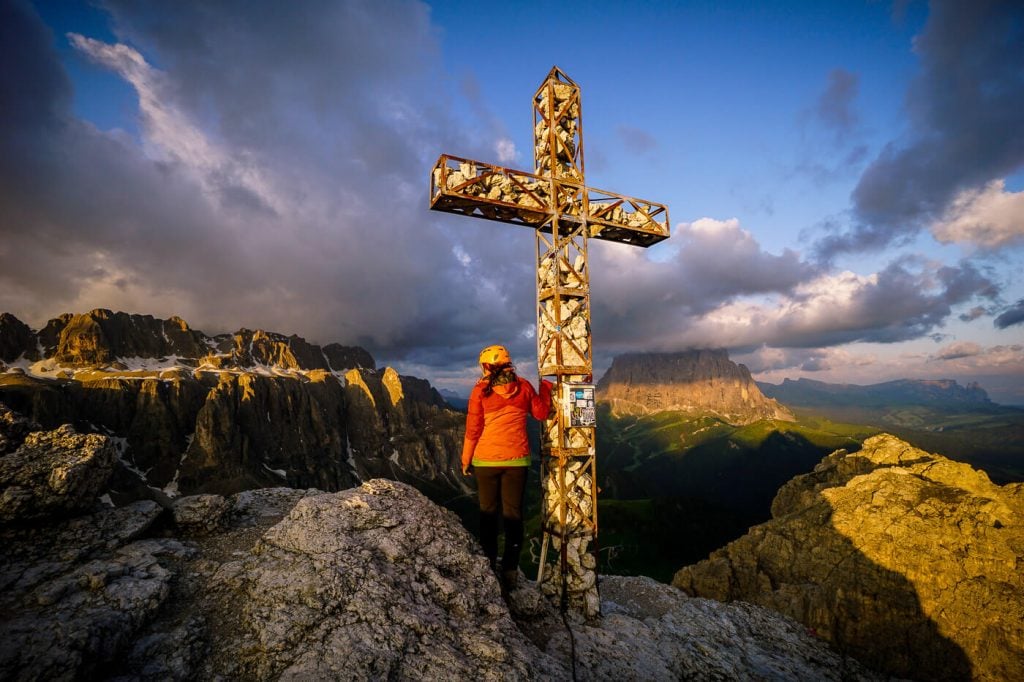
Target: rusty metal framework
(565, 213)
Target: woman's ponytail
(497, 375)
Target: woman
(497, 448)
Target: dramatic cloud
(721, 289)
(988, 217)
(966, 115)
(278, 175)
(279, 180)
(651, 296)
(1011, 316)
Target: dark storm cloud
(1011, 316)
(280, 180)
(33, 88)
(966, 115)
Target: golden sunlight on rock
(393, 383)
(909, 561)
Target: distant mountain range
(960, 422)
(932, 393)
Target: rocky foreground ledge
(369, 583)
(907, 560)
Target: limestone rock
(256, 431)
(101, 336)
(407, 594)
(374, 582)
(74, 592)
(649, 631)
(698, 381)
(247, 348)
(249, 507)
(909, 561)
(54, 473)
(200, 513)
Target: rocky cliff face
(191, 413)
(698, 381)
(375, 582)
(907, 560)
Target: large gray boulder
(376, 582)
(54, 473)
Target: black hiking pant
(504, 488)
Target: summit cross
(564, 213)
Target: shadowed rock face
(909, 561)
(698, 381)
(375, 582)
(15, 338)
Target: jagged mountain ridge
(101, 338)
(697, 381)
(193, 413)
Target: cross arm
(482, 190)
(619, 218)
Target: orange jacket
(496, 424)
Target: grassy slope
(989, 438)
(675, 487)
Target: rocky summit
(374, 582)
(701, 382)
(906, 560)
(189, 413)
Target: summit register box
(578, 405)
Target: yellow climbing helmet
(495, 355)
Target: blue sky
(845, 180)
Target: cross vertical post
(565, 213)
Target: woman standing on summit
(498, 450)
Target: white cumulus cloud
(989, 217)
